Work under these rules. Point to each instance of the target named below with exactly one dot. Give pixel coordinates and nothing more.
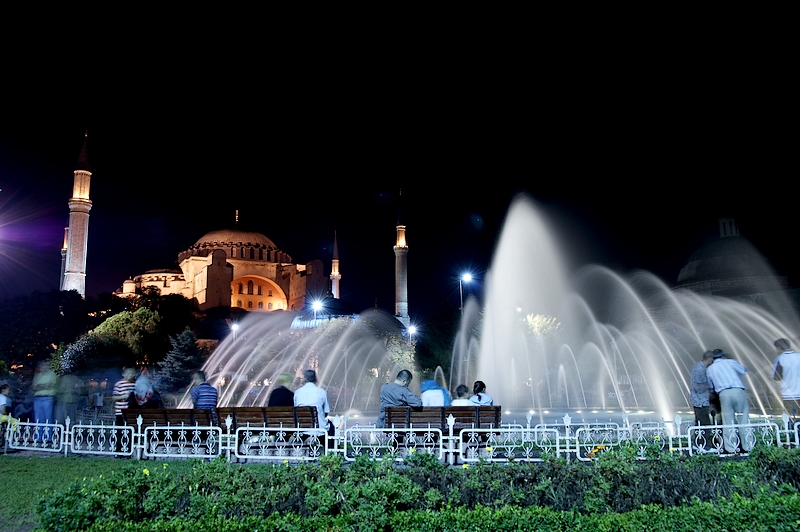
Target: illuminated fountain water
(600, 340)
(353, 356)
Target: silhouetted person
(310, 394)
(282, 395)
(724, 375)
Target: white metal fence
(509, 442)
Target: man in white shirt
(787, 370)
(312, 395)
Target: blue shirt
(724, 373)
(204, 396)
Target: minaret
(78, 231)
(64, 257)
(401, 274)
(335, 275)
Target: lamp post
(317, 305)
(467, 277)
(411, 331)
(234, 328)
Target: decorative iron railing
(506, 443)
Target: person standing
(44, 386)
(724, 376)
(787, 370)
(310, 394)
(397, 394)
(699, 390)
(67, 398)
(122, 392)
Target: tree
(93, 352)
(139, 330)
(185, 357)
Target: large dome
(230, 237)
(726, 258)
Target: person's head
(129, 374)
(708, 358)
(43, 365)
(310, 375)
(285, 380)
(143, 386)
(404, 377)
(782, 344)
(478, 387)
(461, 390)
(199, 377)
(717, 354)
(5, 389)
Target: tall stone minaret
(74, 277)
(335, 275)
(401, 273)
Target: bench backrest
(162, 416)
(483, 417)
(270, 416)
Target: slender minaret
(401, 273)
(78, 231)
(335, 275)
(63, 258)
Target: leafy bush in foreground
(334, 495)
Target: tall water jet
(601, 340)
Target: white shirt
(312, 395)
(789, 362)
(5, 401)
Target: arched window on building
(250, 288)
(269, 293)
(252, 253)
(269, 306)
(249, 304)
(259, 289)
(239, 303)
(241, 288)
(260, 304)
(233, 253)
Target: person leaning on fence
(787, 370)
(44, 386)
(397, 394)
(5, 406)
(724, 376)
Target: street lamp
(317, 305)
(234, 328)
(467, 277)
(412, 330)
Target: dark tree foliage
(185, 357)
(95, 352)
(34, 324)
(435, 344)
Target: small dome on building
(228, 237)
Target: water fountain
(600, 340)
(352, 355)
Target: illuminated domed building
(236, 268)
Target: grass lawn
(26, 477)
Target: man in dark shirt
(282, 395)
(397, 394)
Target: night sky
(631, 179)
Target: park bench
(423, 419)
(174, 431)
(273, 432)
